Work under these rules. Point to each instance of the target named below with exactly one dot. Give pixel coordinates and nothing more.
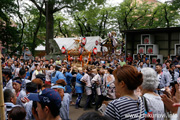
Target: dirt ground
(74, 114)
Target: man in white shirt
(6, 73)
(86, 79)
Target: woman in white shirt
(152, 101)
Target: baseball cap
(48, 97)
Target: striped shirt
(125, 108)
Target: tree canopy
(34, 22)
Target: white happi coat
(87, 80)
(97, 78)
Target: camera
(172, 74)
(173, 83)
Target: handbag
(148, 113)
(104, 90)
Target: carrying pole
(2, 109)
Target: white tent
(68, 43)
(40, 48)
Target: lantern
(141, 50)
(96, 42)
(80, 58)
(150, 50)
(83, 41)
(69, 57)
(95, 51)
(146, 40)
(63, 50)
(154, 60)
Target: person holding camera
(174, 74)
(26, 53)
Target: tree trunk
(49, 26)
(100, 26)
(166, 17)
(60, 29)
(105, 24)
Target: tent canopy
(68, 43)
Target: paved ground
(76, 113)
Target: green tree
(53, 6)
(9, 35)
(35, 28)
(93, 21)
(130, 15)
(63, 26)
(166, 16)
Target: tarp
(40, 48)
(68, 43)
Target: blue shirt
(78, 78)
(68, 78)
(58, 75)
(27, 75)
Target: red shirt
(130, 59)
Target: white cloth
(108, 81)
(22, 94)
(156, 105)
(86, 79)
(9, 85)
(35, 73)
(48, 75)
(28, 108)
(97, 78)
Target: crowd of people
(120, 88)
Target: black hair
(158, 60)
(27, 68)
(17, 113)
(89, 69)
(159, 65)
(93, 116)
(42, 77)
(22, 72)
(49, 66)
(57, 67)
(110, 70)
(8, 94)
(8, 72)
(31, 87)
(46, 66)
(172, 65)
(167, 61)
(17, 78)
(52, 107)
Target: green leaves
(134, 15)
